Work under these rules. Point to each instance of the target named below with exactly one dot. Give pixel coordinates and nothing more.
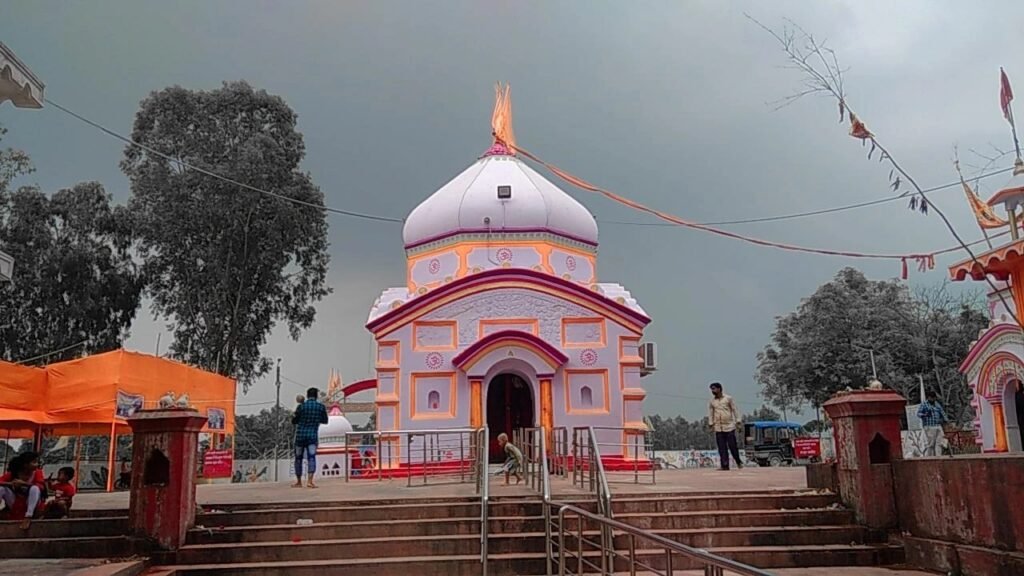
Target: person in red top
(22, 488)
(63, 493)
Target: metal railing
(483, 481)
(587, 463)
(635, 446)
(588, 469)
(577, 550)
(533, 442)
(448, 454)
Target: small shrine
(995, 364)
(503, 321)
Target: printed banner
(218, 463)
(215, 418)
(806, 448)
(128, 404)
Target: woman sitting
(23, 488)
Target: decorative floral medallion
(504, 255)
(434, 266)
(588, 357)
(434, 360)
(570, 263)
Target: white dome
(463, 204)
(333, 433)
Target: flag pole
(1013, 129)
(1006, 101)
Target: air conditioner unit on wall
(649, 352)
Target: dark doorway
(1019, 402)
(509, 408)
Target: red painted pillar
(163, 490)
(867, 436)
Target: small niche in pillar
(879, 449)
(157, 471)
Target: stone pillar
(165, 448)
(547, 414)
(476, 403)
(867, 436)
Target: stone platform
(674, 481)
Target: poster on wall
(128, 404)
(215, 418)
(218, 463)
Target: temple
(995, 364)
(502, 321)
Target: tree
(226, 263)
(762, 414)
(255, 434)
(76, 287)
(825, 345)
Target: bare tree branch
(822, 74)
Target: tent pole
(110, 456)
(78, 454)
(7, 448)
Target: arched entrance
(509, 408)
(1013, 401)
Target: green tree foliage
(823, 346)
(226, 264)
(255, 434)
(762, 414)
(74, 278)
(678, 433)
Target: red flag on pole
(1005, 95)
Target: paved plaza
(333, 490)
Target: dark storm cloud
(664, 103)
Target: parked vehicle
(771, 443)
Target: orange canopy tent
(94, 394)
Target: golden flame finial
(501, 122)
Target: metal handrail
(713, 564)
(637, 448)
(430, 438)
(483, 486)
(598, 478)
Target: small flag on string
(1005, 96)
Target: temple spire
(501, 123)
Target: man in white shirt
(723, 418)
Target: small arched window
(434, 400)
(586, 397)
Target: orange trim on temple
(533, 323)
(453, 399)
(601, 342)
(606, 393)
(453, 337)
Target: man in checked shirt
(308, 418)
(932, 418)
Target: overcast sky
(667, 105)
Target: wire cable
(220, 177)
(776, 218)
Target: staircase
(441, 536)
(772, 529)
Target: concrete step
(365, 529)
(723, 502)
(535, 563)
(736, 518)
(322, 549)
(66, 528)
(462, 565)
(764, 536)
(74, 547)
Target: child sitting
(514, 462)
(63, 492)
(22, 488)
